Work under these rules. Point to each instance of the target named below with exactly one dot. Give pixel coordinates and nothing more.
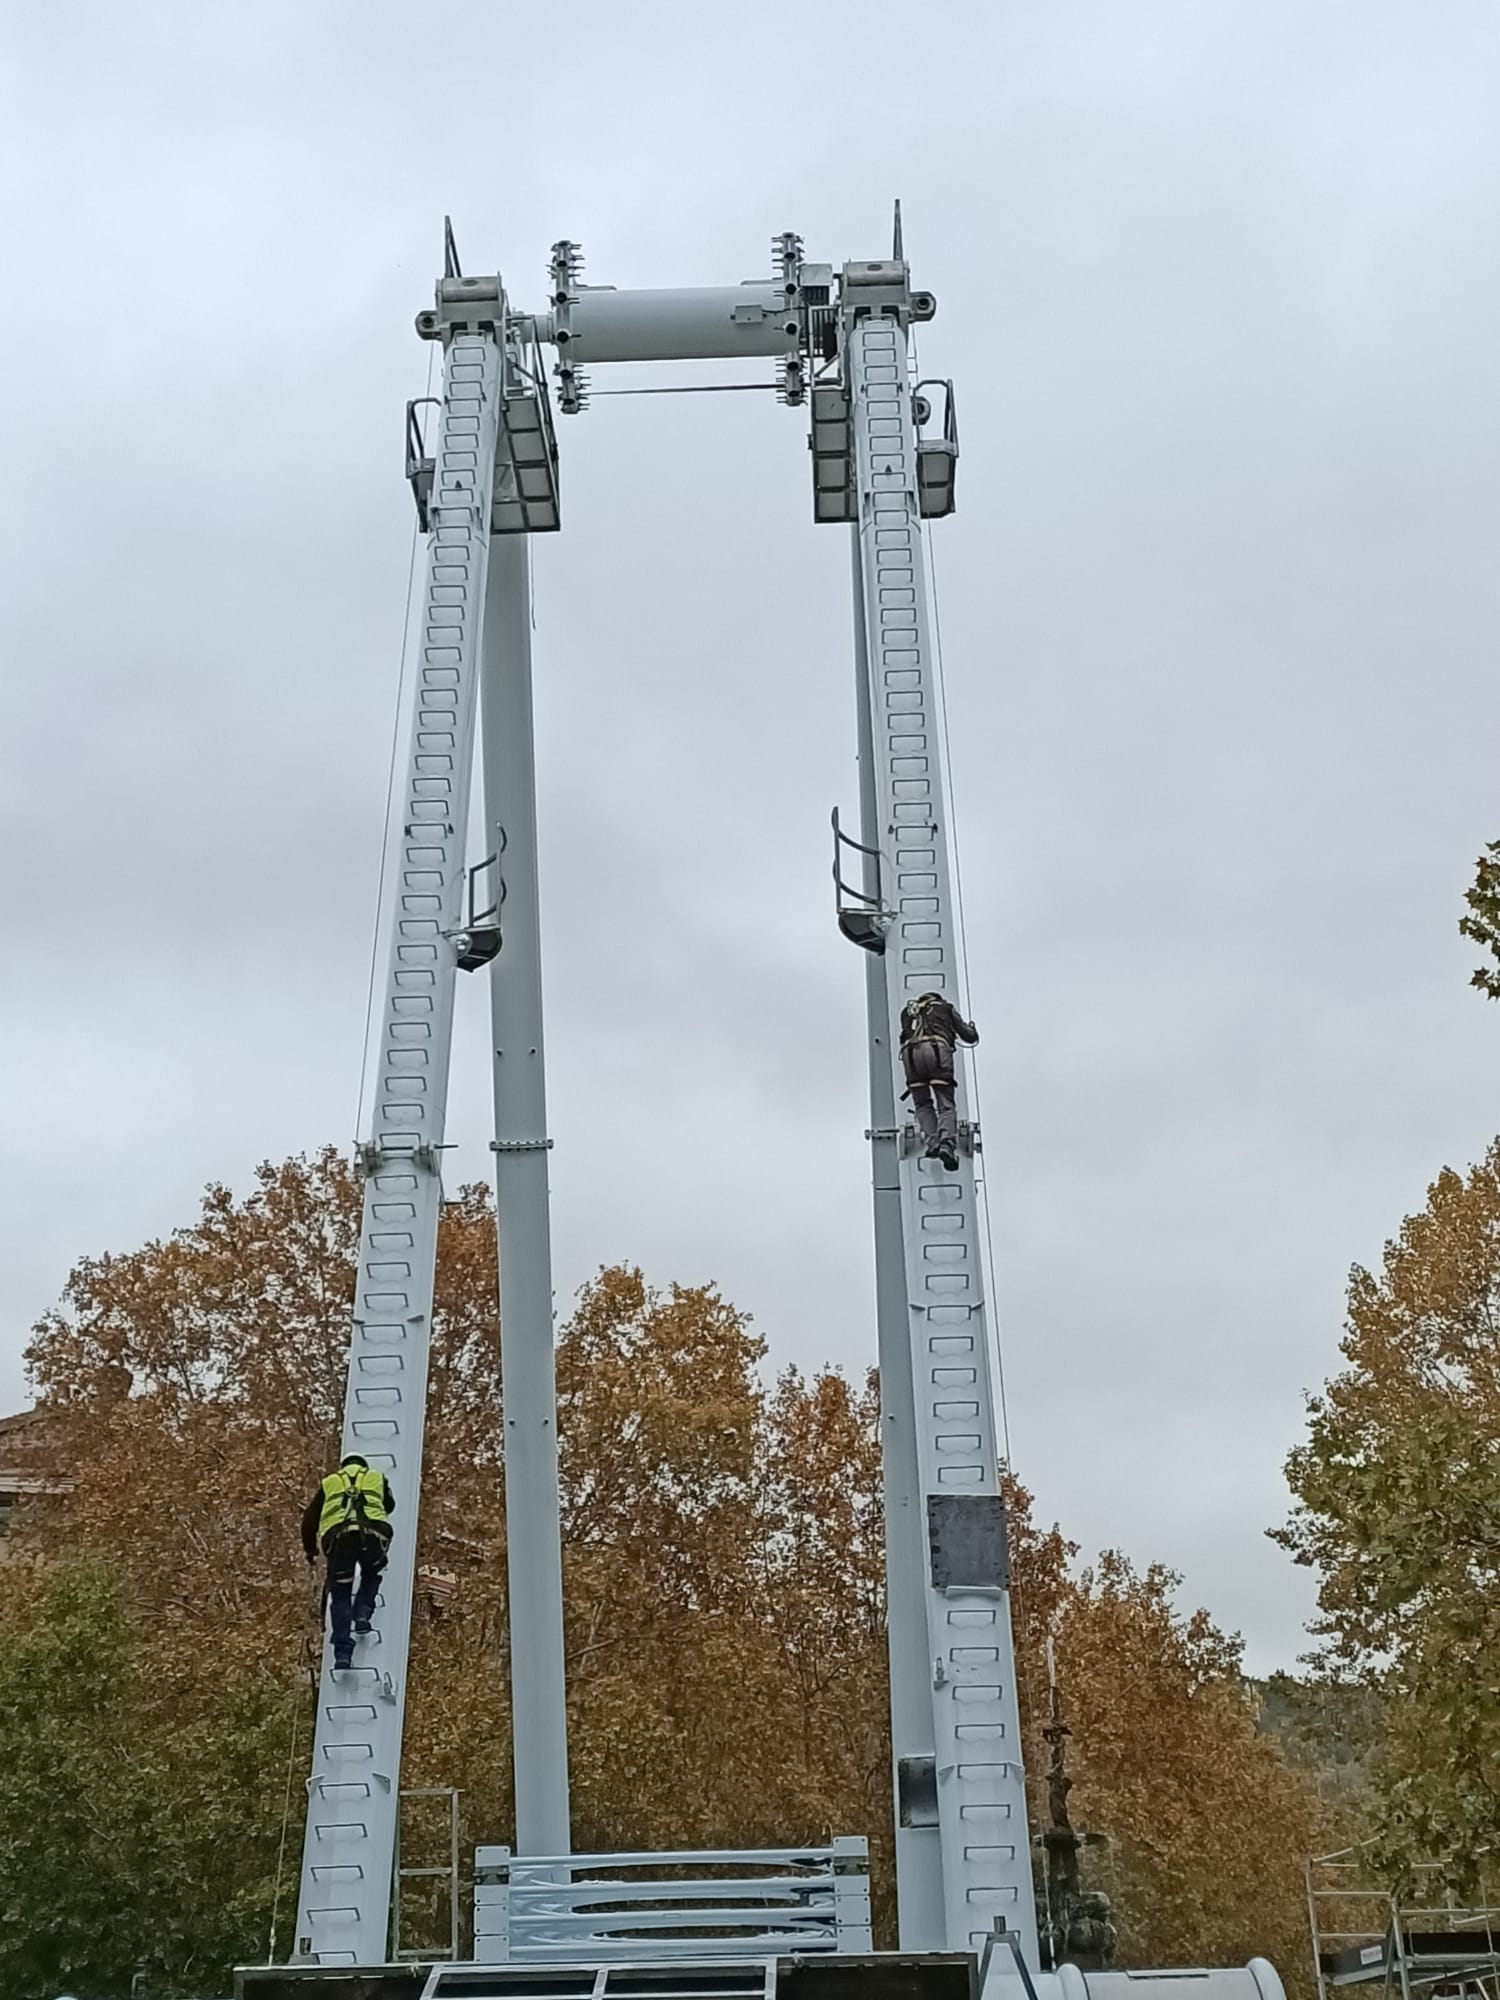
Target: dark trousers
(351, 1550)
(930, 1085)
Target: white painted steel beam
(962, 1840)
(980, 1791)
(528, 1372)
(343, 1911)
(920, 1916)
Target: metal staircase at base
(693, 1905)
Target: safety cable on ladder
(313, 1662)
(390, 795)
(981, 1180)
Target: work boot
(934, 1149)
(949, 1156)
(342, 1662)
(362, 1628)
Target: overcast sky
(1218, 285)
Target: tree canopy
(1482, 923)
(1398, 1491)
(724, 1607)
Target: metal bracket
(881, 288)
(371, 1158)
(970, 1140)
(473, 304)
(906, 1136)
(1002, 1935)
(565, 271)
(520, 1145)
(791, 371)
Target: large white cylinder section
(714, 323)
(1258, 1980)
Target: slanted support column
(919, 1859)
(976, 1788)
(344, 1907)
(528, 1372)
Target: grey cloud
(1218, 288)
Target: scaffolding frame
(1365, 1933)
(447, 1871)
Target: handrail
(840, 838)
(420, 465)
(950, 408)
(416, 443)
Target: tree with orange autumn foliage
(723, 1583)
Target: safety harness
(921, 1029)
(353, 1497)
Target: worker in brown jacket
(930, 1029)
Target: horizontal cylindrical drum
(711, 323)
(1256, 1981)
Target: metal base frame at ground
(1411, 1944)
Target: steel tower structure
(840, 341)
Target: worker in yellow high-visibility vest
(350, 1517)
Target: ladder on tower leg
(972, 1795)
(343, 1910)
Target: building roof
(21, 1437)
